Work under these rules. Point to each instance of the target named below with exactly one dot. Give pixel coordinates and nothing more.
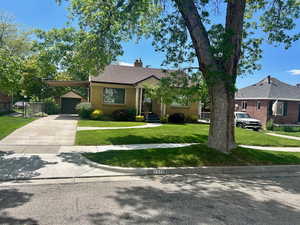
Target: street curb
(205, 170)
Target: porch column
(137, 100)
(141, 100)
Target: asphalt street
(188, 199)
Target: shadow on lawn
(137, 139)
(22, 167)
(10, 199)
(196, 199)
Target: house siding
(96, 97)
(188, 111)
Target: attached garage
(69, 102)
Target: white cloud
(295, 72)
(124, 63)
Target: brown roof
(128, 74)
(71, 94)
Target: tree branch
(198, 34)
(234, 34)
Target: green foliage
(84, 109)
(96, 114)
(51, 107)
(164, 119)
(270, 125)
(140, 118)
(179, 87)
(124, 114)
(177, 118)
(192, 119)
(286, 128)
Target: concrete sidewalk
(52, 130)
(48, 166)
(284, 136)
(148, 125)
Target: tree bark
(221, 90)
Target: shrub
(51, 108)
(192, 119)
(124, 115)
(287, 128)
(106, 118)
(84, 109)
(96, 114)
(270, 125)
(164, 119)
(140, 118)
(177, 118)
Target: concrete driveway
(52, 131)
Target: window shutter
(285, 109)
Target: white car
(243, 120)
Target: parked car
(243, 120)
(20, 104)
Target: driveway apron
(49, 131)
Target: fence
(34, 109)
(205, 116)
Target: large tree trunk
(221, 90)
(221, 131)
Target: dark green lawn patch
(174, 133)
(95, 123)
(8, 124)
(192, 156)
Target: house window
(244, 105)
(180, 102)
(114, 95)
(281, 109)
(258, 104)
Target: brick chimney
(138, 63)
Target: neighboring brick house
(5, 102)
(257, 100)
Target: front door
(146, 104)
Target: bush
(84, 110)
(164, 119)
(177, 118)
(96, 114)
(270, 125)
(192, 119)
(51, 108)
(124, 115)
(287, 128)
(139, 118)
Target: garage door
(68, 105)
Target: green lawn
(193, 156)
(9, 124)
(173, 133)
(94, 123)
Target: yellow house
(122, 87)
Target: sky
(46, 14)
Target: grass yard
(95, 123)
(175, 133)
(9, 124)
(193, 156)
